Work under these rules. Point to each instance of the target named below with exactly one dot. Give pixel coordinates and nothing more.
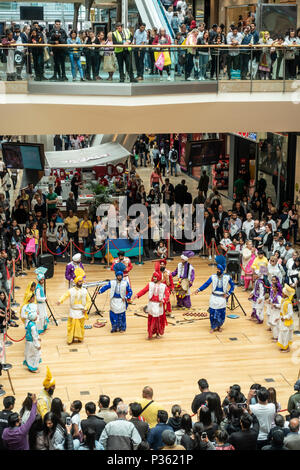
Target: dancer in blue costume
(218, 298)
(120, 293)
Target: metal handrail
(155, 46)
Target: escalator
(153, 14)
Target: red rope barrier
(15, 340)
(216, 249)
(187, 243)
(87, 253)
(136, 242)
(57, 254)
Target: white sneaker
(169, 78)
(161, 79)
(209, 257)
(190, 79)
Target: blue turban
(119, 269)
(221, 268)
(221, 260)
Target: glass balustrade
(113, 64)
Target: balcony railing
(221, 64)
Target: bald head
(294, 425)
(147, 392)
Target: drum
(182, 287)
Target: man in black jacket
(203, 183)
(254, 234)
(200, 399)
(8, 403)
(220, 216)
(59, 36)
(94, 422)
(135, 409)
(246, 438)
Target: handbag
(30, 247)
(160, 62)
(83, 232)
(19, 58)
(290, 55)
(46, 54)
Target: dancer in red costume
(158, 297)
(167, 278)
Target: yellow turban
(49, 380)
(78, 278)
(79, 272)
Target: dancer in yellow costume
(286, 327)
(30, 289)
(45, 397)
(80, 303)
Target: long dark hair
(214, 405)
(50, 416)
(197, 431)
(57, 408)
(90, 437)
(186, 424)
(26, 405)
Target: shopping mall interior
(187, 108)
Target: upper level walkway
(214, 98)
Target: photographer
(15, 437)
(57, 37)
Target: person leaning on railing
(36, 37)
(290, 54)
(123, 54)
(9, 54)
(74, 54)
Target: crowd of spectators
(237, 422)
(191, 63)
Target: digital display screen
(23, 156)
(205, 152)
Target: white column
(125, 13)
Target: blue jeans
(173, 166)
(76, 60)
(203, 60)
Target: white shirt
(76, 420)
(247, 226)
(265, 415)
(238, 38)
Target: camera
(68, 421)
(242, 405)
(204, 435)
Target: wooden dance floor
(120, 365)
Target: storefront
(266, 162)
(276, 163)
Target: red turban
(156, 275)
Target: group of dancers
(279, 307)
(159, 290)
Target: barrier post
(107, 254)
(22, 262)
(212, 253)
(71, 249)
(14, 303)
(140, 256)
(203, 248)
(7, 342)
(41, 247)
(169, 258)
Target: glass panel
(272, 166)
